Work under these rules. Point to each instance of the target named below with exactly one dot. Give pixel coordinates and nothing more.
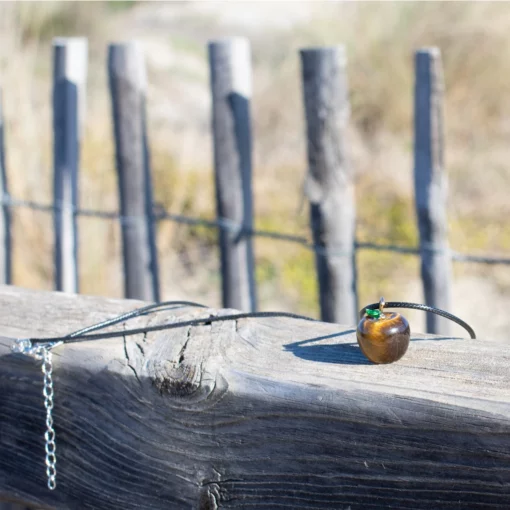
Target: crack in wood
(128, 361)
(183, 348)
(209, 497)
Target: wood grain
(256, 413)
(430, 184)
(329, 184)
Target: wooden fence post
(230, 72)
(69, 76)
(430, 184)
(128, 87)
(329, 184)
(5, 216)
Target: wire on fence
(161, 214)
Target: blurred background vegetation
(380, 38)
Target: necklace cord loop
(424, 308)
(84, 335)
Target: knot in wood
(175, 379)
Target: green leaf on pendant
(375, 314)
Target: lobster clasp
(26, 347)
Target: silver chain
(42, 352)
(49, 437)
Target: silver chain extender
(42, 352)
(49, 436)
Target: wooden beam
(230, 71)
(330, 183)
(69, 76)
(266, 413)
(430, 185)
(128, 87)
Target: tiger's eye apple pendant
(383, 337)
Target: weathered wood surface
(128, 87)
(430, 184)
(69, 75)
(230, 72)
(5, 215)
(266, 413)
(330, 181)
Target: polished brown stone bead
(383, 339)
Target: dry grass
(380, 39)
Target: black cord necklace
(84, 335)
(383, 338)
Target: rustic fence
(329, 183)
